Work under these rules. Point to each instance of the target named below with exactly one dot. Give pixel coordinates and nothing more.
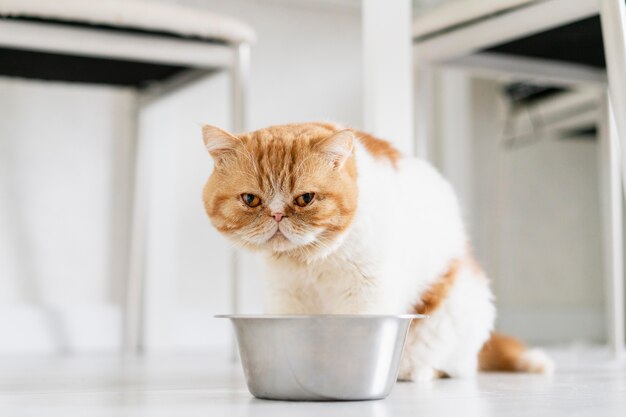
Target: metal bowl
(321, 357)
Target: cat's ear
(218, 142)
(338, 147)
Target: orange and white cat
(350, 226)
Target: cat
(351, 226)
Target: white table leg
(388, 80)
(240, 78)
(455, 147)
(424, 112)
(613, 17)
(133, 302)
(612, 208)
(157, 212)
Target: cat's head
(288, 190)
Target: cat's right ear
(218, 142)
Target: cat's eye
(251, 200)
(304, 199)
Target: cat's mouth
(279, 242)
(283, 239)
(278, 235)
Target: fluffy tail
(507, 354)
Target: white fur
(406, 233)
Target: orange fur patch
(501, 353)
(432, 298)
(379, 148)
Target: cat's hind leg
(449, 340)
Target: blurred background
(532, 205)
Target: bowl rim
(322, 316)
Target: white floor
(586, 384)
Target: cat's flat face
(284, 189)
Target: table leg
(613, 17)
(240, 75)
(612, 212)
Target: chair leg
(612, 208)
(613, 17)
(424, 117)
(133, 303)
(387, 76)
(240, 76)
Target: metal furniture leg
(613, 17)
(612, 208)
(240, 75)
(424, 117)
(133, 303)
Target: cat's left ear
(338, 147)
(218, 142)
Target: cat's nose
(278, 216)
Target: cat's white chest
(336, 286)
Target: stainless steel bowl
(321, 357)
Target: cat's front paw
(418, 374)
